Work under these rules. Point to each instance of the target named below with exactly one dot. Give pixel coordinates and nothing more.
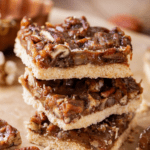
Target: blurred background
(130, 14)
(133, 14)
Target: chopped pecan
(50, 102)
(78, 27)
(35, 38)
(61, 51)
(132, 94)
(72, 107)
(94, 143)
(103, 104)
(108, 92)
(52, 128)
(94, 85)
(47, 35)
(118, 94)
(57, 112)
(25, 22)
(49, 25)
(93, 102)
(39, 118)
(110, 102)
(67, 120)
(39, 45)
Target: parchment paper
(16, 112)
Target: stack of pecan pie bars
(79, 80)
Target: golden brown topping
(73, 43)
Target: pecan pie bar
(73, 49)
(75, 103)
(9, 136)
(106, 135)
(144, 140)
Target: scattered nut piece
(61, 50)
(8, 71)
(9, 136)
(47, 35)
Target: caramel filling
(74, 43)
(70, 99)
